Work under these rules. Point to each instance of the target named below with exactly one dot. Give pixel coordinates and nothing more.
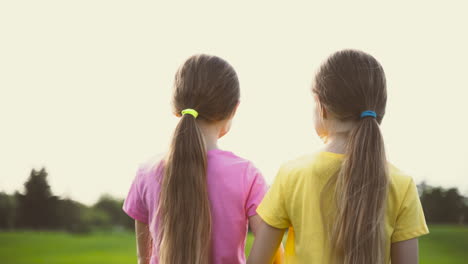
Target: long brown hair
(347, 84)
(209, 85)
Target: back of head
(347, 84)
(209, 85)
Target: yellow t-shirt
(293, 202)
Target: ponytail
(183, 231)
(184, 209)
(349, 85)
(358, 234)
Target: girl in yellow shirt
(346, 204)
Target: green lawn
(445, 244)
(63, 248)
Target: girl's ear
(322, 110)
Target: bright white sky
(85, 86)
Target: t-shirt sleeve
(410, 222)
(135, 205)
(256, 189)
(273, 207)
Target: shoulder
(230, 160)
(299, 164)
(234, 169)
(401, 184)
(399, 179)
(302, 166)
(150, 168)
(293, 172)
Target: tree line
(38, 209)
(443, 206)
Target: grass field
(445, 244)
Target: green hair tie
(190, 111)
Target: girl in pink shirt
(195, 204)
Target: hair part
(347, 84)
(209, 85)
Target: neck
(336, 143)
(210, 134)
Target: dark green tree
(72, 216)
(113, 208)
(7, 211)
(453, 206)
(442, 206)
(36, 207)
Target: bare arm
(144, 242)
(405, 252)
(267, 246)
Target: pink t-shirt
(235, 189)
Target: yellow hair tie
(190, 111)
